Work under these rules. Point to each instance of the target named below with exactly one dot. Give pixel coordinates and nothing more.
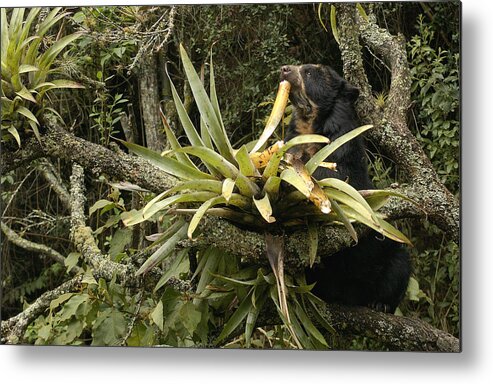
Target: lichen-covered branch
(15, 158)
(82, 235)
(352, 60)
(250, 245)
(395, 332)
(60, 144)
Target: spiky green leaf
(319, 12)
(27, 113)
(273, 165)
(175, 145)
(393, 233)
(382, 227)
(322, 154)
(246, 186)
(245, 164)
(51, 53)
(185, 121)
(213, 94)
(213, 158)
(236, 319)
(163, 251)
(25, 68)
(179, 265)
(313, 242)
(350, 191)
(377, 198)
(308, 325)
(13, 131)
(344, 220)
(26, 95)
(152, 208)
(62, 83)
(257, 305)
(362, 11)
(5, 35)
(167, 164)
(194, 222)
(208, 266)
(207, 112)
(333, 23)
(290, 176)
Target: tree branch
(30, 246)
(250, 245)
(47, 169)
(82, 235)
(60, 144)
(391, 133)
(395, 332)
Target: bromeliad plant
(261, 190)
(243, 185)
(27, 69)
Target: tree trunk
(149, 100)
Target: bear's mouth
(292, 74)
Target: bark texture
(149, 101)
(395, 332)
(82, 236)
(60, 144)
(391, 133)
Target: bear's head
(316, 89)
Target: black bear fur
(376, 271)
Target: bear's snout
(285, 70)
(290, 73)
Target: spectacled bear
(376, 271)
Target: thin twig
(42, 249)
(15, 192)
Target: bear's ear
(350, 91)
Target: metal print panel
(267, 176)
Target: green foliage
(437, 297)
(252, 290)
(106, 113)
(435, 89)
(38, 284)
(100, 314)
(27, 70)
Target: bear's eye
(308, 73)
